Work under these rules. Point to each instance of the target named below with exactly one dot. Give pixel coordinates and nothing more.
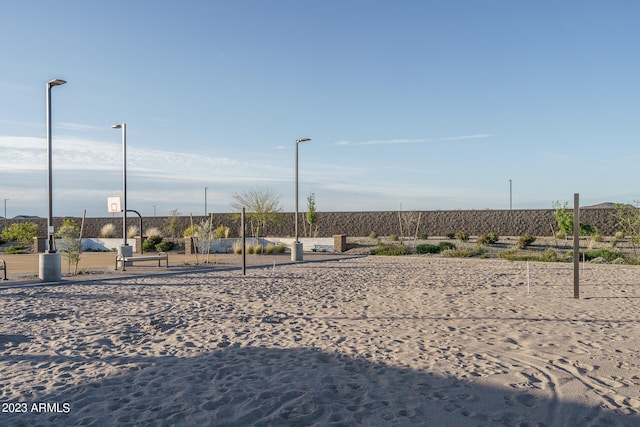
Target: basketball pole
(576, 245)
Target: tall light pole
(296, 253)
(154, 210)
(49, 262)
(205, 201)
(51, 247)
(123, 126)
(510, 194)
(5, 208)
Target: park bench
(3, 267)
(322, 248)
(160, 256)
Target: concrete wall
(537, 222)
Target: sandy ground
(348, 341)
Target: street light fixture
(5, 208)
(123, 126)
(296, 252)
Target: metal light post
(50, 266)
(51, 248)
(296, 250)
(5, 208)
(510, 195)
(154, 210)
(205, 200)
(123, 126)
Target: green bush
(393, 238)
(373, 235)
(450, 235)
(164, 246)
(550, 255)
(423, 236)
(607, 254)
(221, 232)
(463, 252)
(391, 250)
(488, 239)
(462, 236)
(16, 250)
(150, 243)
(21, 232)
(189, 232)
(525, 241)
(446, 246)
(513, 254)
(428, 249)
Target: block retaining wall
(537, 222)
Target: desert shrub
(596, 237)
(450, 235)
(108, 231)
(254, 248)
(373, 235)
(21, 232)
(270, 249)
(463, 252)
(605, 254)
(280, 248)
(153, 231)
(423, 236)
(237, 247)
(619, 235)
(132, 231)
(391, 250)
(189, 232)
(393, 238)
(462, 236)
(550, 255)
(164, 246)
(446, 246)
(150, 243)
(221, 232)
(16, 250)
(488, 239)
(525, 241)
(428, 249)
(561, 235)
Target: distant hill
(604, 205)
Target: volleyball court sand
(369, 341)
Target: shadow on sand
(244, 386)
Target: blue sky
(409, 104)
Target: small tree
(69, 243)
(563, 217)
(262, 206)
(173, 225)
(204, 236)
(312, 215)
(628, 218)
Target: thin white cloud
(460, 138)
(411, 140)
(79, 127)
